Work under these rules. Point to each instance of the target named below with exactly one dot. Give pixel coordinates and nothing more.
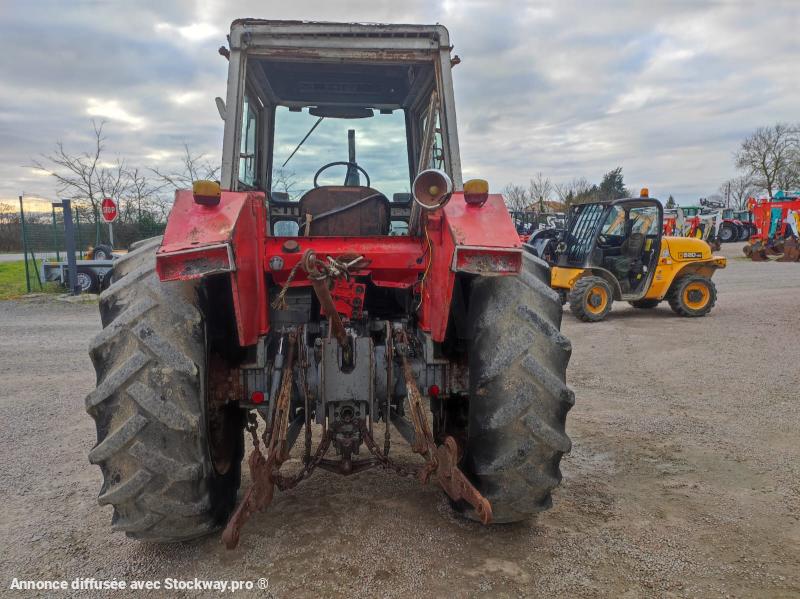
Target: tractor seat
(344, 211)
(630, 252)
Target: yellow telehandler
(616, 250)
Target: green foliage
(612, 187)
(670, 202)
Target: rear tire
(728, 233)
(692, 295)
(590, 299)
(744, 233)
(645, 304)
(102, 252)
(518, 396)
(150, 408)
(87, 280)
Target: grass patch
(12, 281)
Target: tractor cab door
(628, 244)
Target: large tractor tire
(153, 441)
(692, 295)
(590, 299)
(518, 396)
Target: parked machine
(617, 251)
(528, 222)
(746, 218)
(257, 309)
(700, 222)
(777, 222)
(92, 275)
(735, 226)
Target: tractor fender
(203, 240)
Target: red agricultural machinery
(777, 222)
(737, 225)
(701, 222)
(329, 306)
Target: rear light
(257, 397)
(433, 391)
(206, 193)
(476, 192)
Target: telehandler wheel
(645, 304)
(692, 295)
(590, 298)
(153, 442)
(518, 396)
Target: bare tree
(540, 190)
(144, 199)
(9, 214)
(738, 189)
(770, 156)
(84, 177)
(516, 197)
(195, 167)
(284, 181)
(574, 190)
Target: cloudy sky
(664, 89)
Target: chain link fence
(36, 233)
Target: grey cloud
(567, 88)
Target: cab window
(247, 151)
(615, 222)
(644, 220)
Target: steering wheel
(347, 164)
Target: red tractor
(777, 222)
(285, 299)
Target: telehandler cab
(616, 251)
(323, 305)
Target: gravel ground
(683, 479)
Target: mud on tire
(149, 408)
(518, 396)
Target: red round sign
(108, 208)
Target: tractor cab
(621, 237)
(336, 137)
(691, 211)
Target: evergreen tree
(670, 202)
(612, 187)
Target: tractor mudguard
(202, 240)
(466, 238)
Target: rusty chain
(383, 460)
